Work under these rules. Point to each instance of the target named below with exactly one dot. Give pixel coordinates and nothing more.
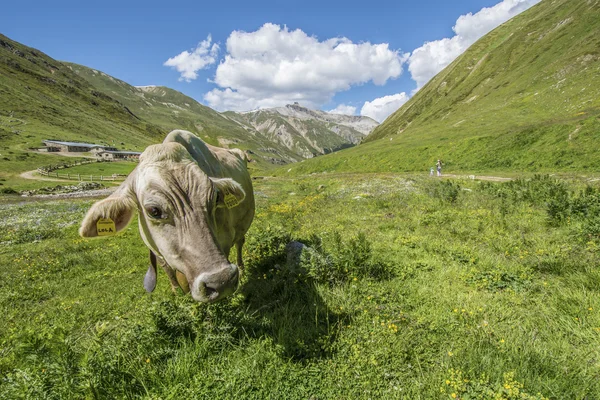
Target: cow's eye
(154, 212)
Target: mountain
(304, 131)
(171, 109)
(525, 97)
(41, 98)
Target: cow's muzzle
(213, 286)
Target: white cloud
(188, 64)
(429, 59)
(343, 110)
(274, 66)
(380, 108)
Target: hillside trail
(31, 175)
(107, 191)
(477, 177)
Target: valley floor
(413, 288)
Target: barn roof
(136, 153)
(78, 144)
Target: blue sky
(361, 58)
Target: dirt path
(478, 177)
(31, 175)
(107, 191)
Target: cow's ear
(110, 215)
(229, 193)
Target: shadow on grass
(276, 301)
(283, 303)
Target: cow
(195, 202)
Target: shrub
(586, 207)
(587, 203)
(497, 280)
(337, 260)
(8, 190)
(541, 190)
(537, 190)
(446, 191)
(266, 247)
(457, 386)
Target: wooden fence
(50, 172)
(81, 177)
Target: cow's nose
(212, 286)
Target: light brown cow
(195, 201)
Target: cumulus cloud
(274, 66)
(380, 108)
(189, 63)
(343, 110)
(429, 59)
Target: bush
(343, 261)
(457, 386)
(8, 190)
(538, 190)
(266, 247)
(587, 203)
(541, 190)
(586, 208)
(497, 280)
(446, 191)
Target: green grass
(101, 168)
(413, 286)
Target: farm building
(118, 155)
(74, 147)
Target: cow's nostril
(210, 287)
(211, 293)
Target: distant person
(431, 171)
(439, 167)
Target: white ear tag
(230, 200)
(105, 227)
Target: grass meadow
(101, 168)
(413, 287)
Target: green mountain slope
(41, 98)
(525, 97)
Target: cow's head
(177, 204)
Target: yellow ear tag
(105, 227)
(230, 200)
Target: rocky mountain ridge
(305, 131)
(278, 136)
